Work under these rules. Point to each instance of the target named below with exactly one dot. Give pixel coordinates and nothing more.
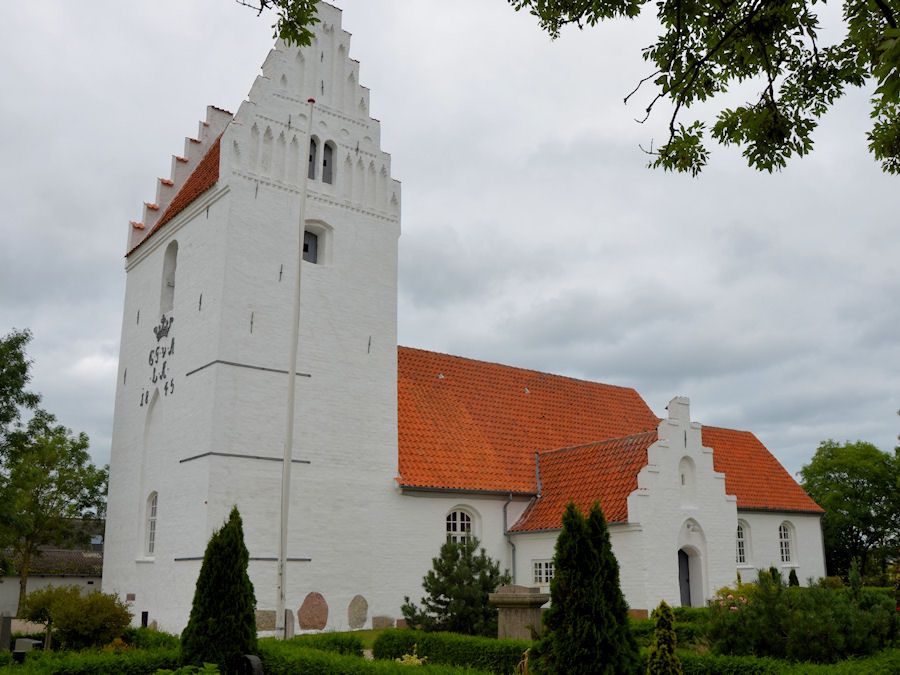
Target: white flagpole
(280, 618)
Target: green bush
(222, 625)
(487, 654)
(815, 624)
(339, 643)
(661, 658)
(137, 662)
(457, 588)
(77, 621)
(146, 638)
(290, 658)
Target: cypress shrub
(792, 578)
(587, 624)
(662, 659)
(222, 625)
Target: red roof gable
(201, 179)
(753, 474)
(472, 425)
(605, 472)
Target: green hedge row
(883, 663)
(290, 658)
(138, 662)
(686, 633)
(488, 654)
(339, 643)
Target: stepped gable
(753, 474)
(192, 174)
(471, 425)
(605, 472)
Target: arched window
(310, 247)
(167, 293)
(459, 526)
(786, 542)
(328, 163)
(313, 147)
(150, 535)
(740, 543)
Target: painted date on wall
(159, 360)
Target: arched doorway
(684, 577)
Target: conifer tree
(222, 626)
(587, 623)
(662, 659)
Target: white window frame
(786, 544)
(150, 531)
(542, 571)
(458, 525)
(740, 544)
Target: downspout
(509, 537)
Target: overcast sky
(533, 233)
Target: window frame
(150, 524)
(786, 543)
(542, 571)
(454, 521)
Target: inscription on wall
(159, 360)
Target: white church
(394, 448)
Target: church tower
(205, 345)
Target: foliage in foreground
(457, 589)
(288, 658)
(339, 643)
(777, 50)
(134, 662)
(77, 621)
(487, 654)
(222, 625)
(587, 628)
(662, 659)
(815, 624)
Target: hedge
(290, 658)
(488, 654)
(137, 662)
(339, 643)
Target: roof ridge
(521, 368)
(604, 441)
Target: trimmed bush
(76, 621)
(137, 662)
(146, 638)
(290, 658)
(339, 643)
(487, 654)
(222, 625)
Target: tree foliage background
(49, 489)
(457, 589)
(222, 625)
(858, 485)
(706, 48)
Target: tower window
(310, 247)
(313, 148)
(167, 292)
(327, 163)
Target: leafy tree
(458, 588)
(707, 47)
(79, 621)
(14, 376)
(51, 487)
(857, 485)
(587, 623)
(222, 625)
(662, 659)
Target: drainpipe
(509, 538)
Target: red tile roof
(605, 472)
(476, 426)
(472, 425)
(753, 474)
(201, 179)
